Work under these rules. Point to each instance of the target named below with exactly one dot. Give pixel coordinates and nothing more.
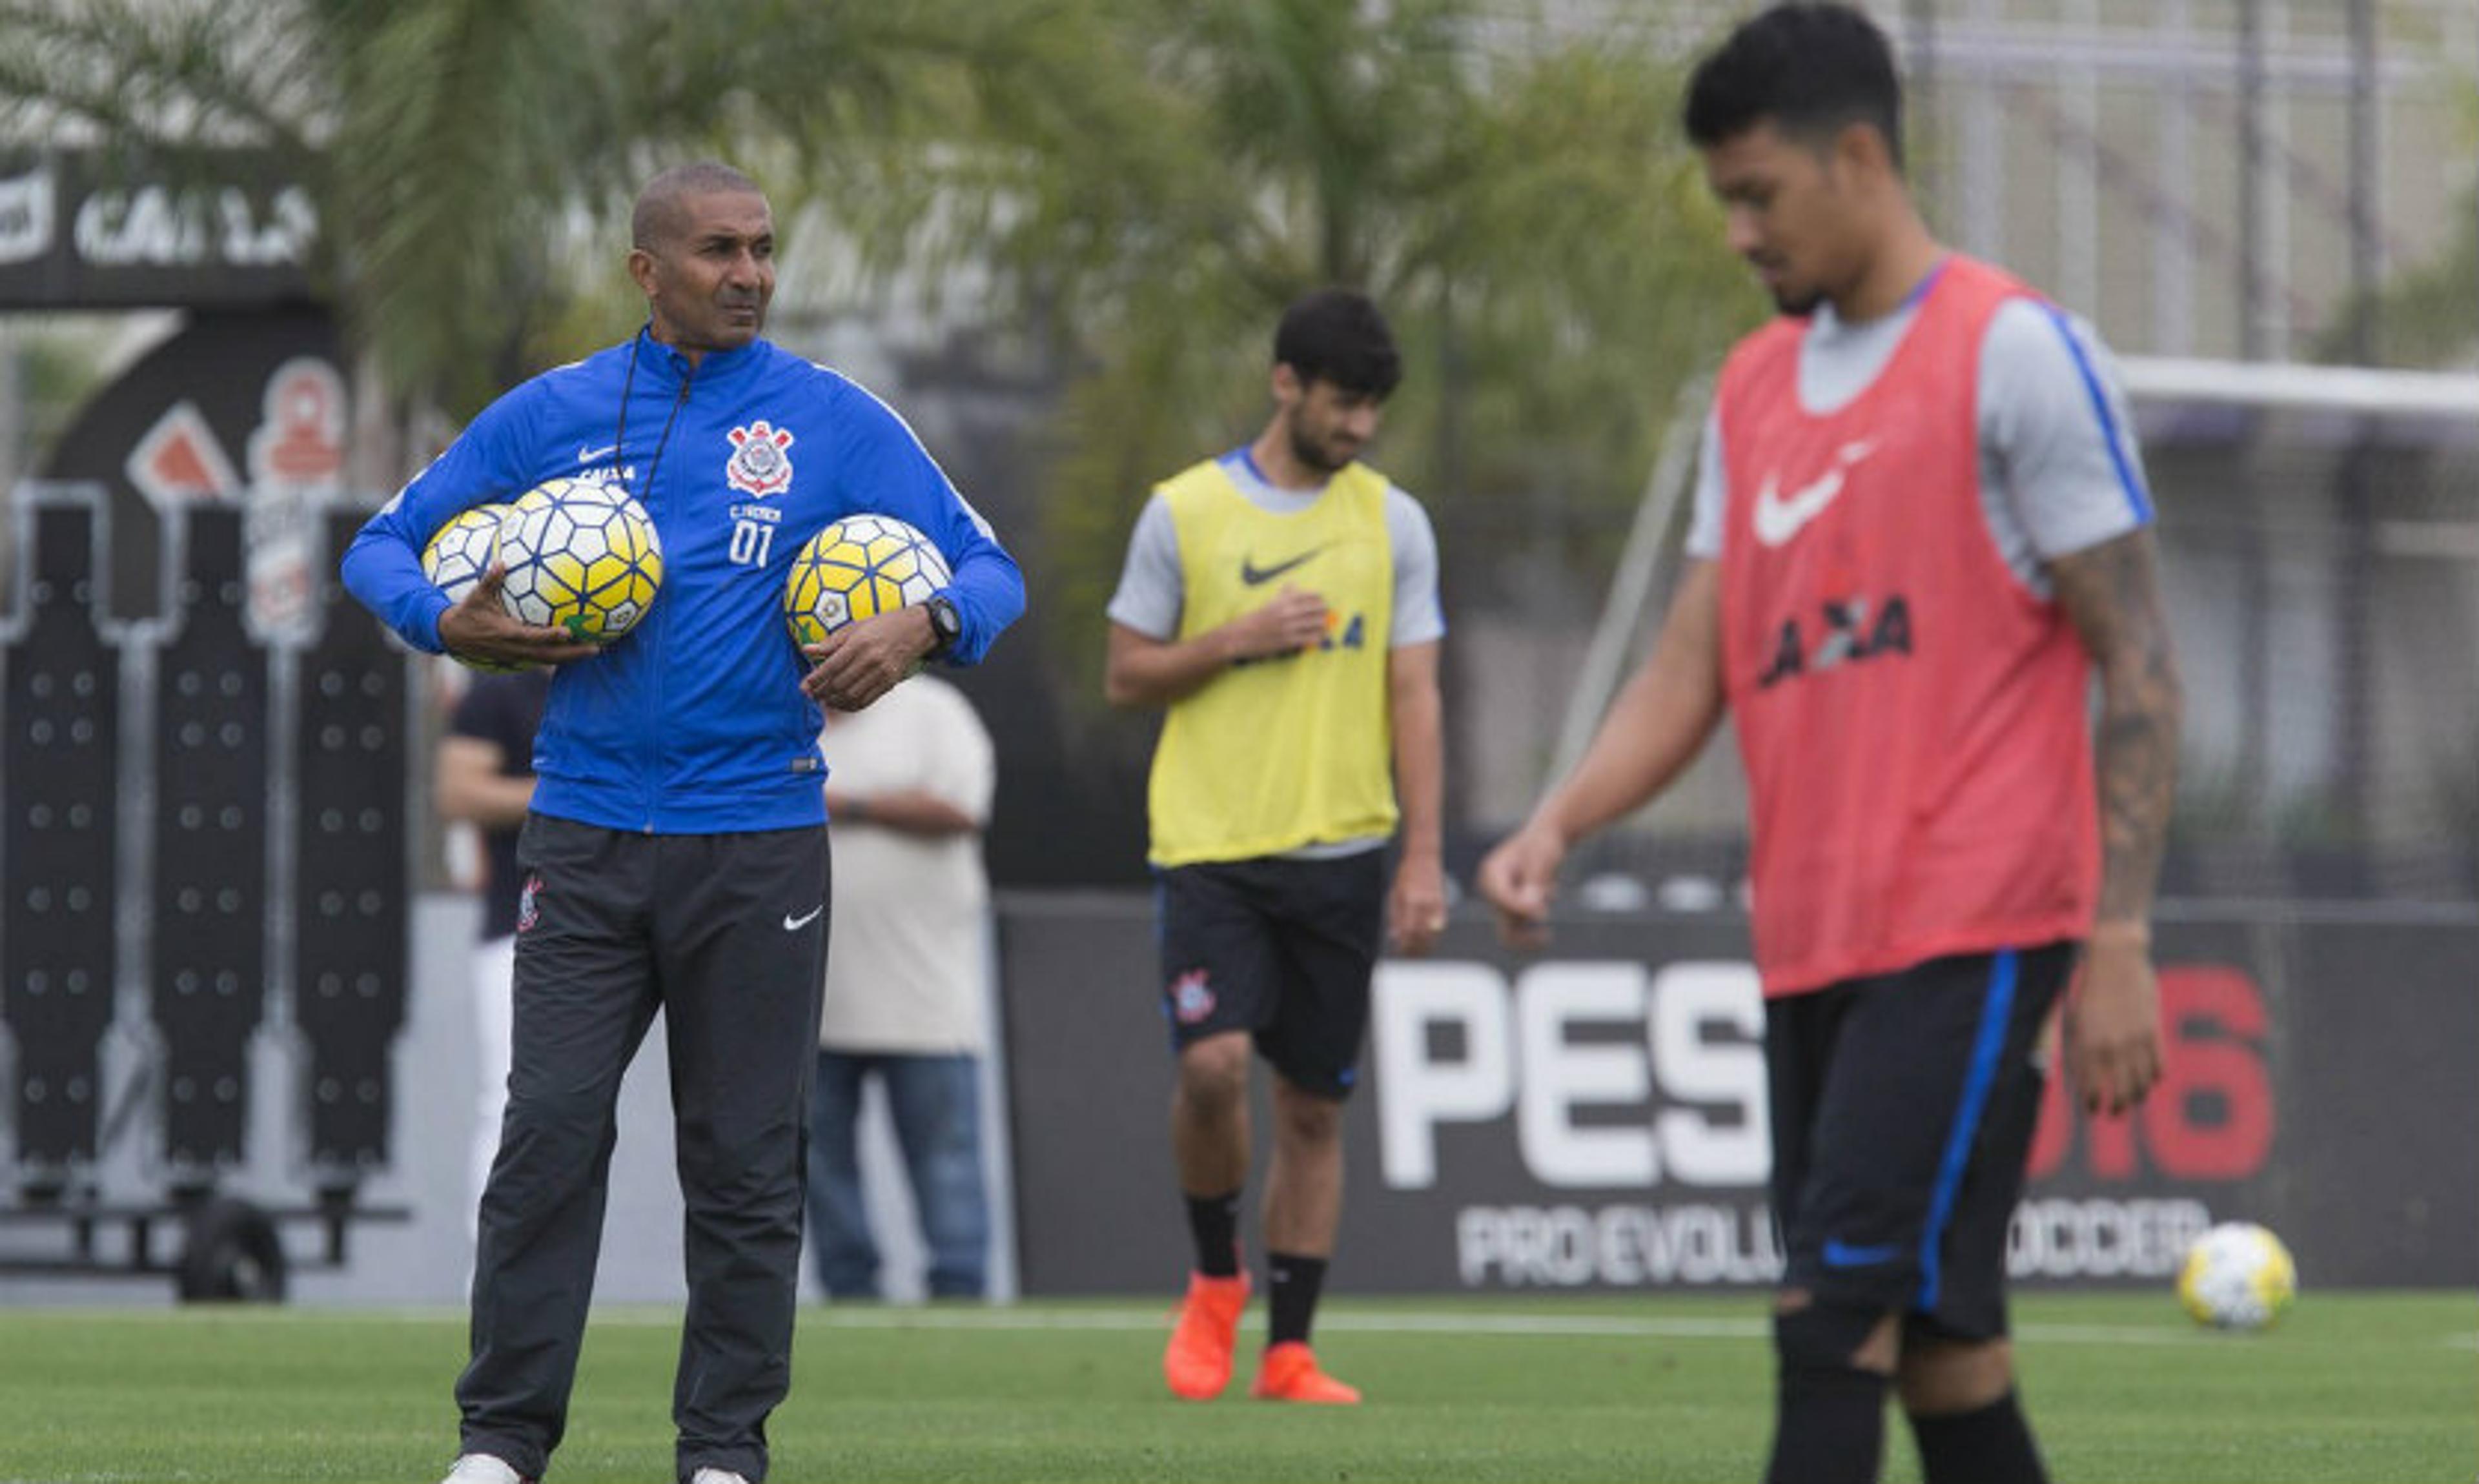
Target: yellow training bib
(1276, 753)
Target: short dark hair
(1337, 335)
(1808, 68)
(656, 216)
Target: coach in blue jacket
(675, 857)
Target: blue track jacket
(693, 722)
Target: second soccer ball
(458, 553)
(857, 568)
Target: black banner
(1595, 1117)
(225, 234)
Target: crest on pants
(1192, 998)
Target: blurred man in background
(1921, 521)
(483, 776)
(1281, 603)
(908, 982)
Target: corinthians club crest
(759, 465)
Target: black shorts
(1903, 1109)
(1282, 948)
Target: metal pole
(2078, 238)
(2255, 593)
(2173, 242)
(2360, 484)
(1926, 143)
(2251, 222)
(2366, 247)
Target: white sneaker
(483, 1468)
(717, 1477)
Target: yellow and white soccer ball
(457, 555)
(2238, 1275)
(857, 568)
(582, 555)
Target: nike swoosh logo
(1779, 516)
(1838, 1254)
(1253, 575)
(792, 924)
(586, 455)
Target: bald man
(675, 855)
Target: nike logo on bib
(586, 455)
(1254, 575)
(1779, 516)
(792, 924)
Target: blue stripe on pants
(1988, 1046)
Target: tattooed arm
(2112, 594)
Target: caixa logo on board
(1615, 1076)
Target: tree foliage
(1139, 185)
(472, 160)
(1520, 201)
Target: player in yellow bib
(1281, 603)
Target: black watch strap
(946, 624)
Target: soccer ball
(2236, 1276)
(462, 549)
(859, 567)
(582, 555)
(459, 553)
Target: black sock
(1991, 1445)
(1831, 1428)
(1215, 1221)
(1292, 1306)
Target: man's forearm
(1420, 762)
(2137, 766)
(2111, 593)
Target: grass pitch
(2356, 1386)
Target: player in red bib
(1921, 527)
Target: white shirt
(908, 953)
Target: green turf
(2358, 1387)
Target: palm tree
(1151, 179)
(1519, 200)
(1144, 184)
(471, 160)
(420, 131)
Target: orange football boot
(1197, 1362)
(1288, 1372)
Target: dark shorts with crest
(1903, 1110)
(1280, 947)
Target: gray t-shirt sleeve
(1151, 591)
(1712, 493)
(2059, 469)
(1418, 616)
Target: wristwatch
(946, 625)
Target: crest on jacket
(760, 463)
